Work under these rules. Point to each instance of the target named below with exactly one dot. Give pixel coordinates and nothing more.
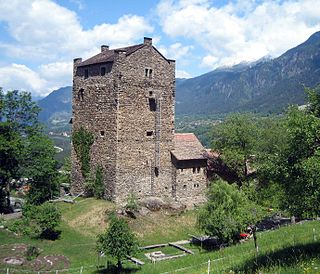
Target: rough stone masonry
(125, 97)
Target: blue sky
(40, 38)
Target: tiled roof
(108, 55)
(187, 147)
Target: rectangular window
(102, 133)
(152, 104)
(86, 73)
(149, 133)
(156, 171)
(148, 73)
(103, 71)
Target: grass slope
(293, 249)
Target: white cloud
(45, 32)
(242, 30)
(39, 82)
(20, 77)
(182, 74)
(175, 51)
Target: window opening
(194, 170)
(150, 93)
(148, 73)
(198, 169)
(152, 104)
(81, 94)
(156, 171)
(102, 133)
(103, 71)
(149, 133)
(86, 73)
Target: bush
(227, 212)
(132, 202)
(47, 218)
(32, 253)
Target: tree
(10, 149)
(297, 165)
(235, 140)
(39, 165)
(118, 241)
(227, 212)
(24, 150)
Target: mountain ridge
(264, 86)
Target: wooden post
(81, 269)
(8, 271)
(209, 266)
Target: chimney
(147, 41)
(104, 48)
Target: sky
(40, 38)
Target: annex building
(125, 97)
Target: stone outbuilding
(125, 97)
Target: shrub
(32, 252)
(132, 202)
(227, 212)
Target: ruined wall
(145, 125)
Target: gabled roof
(108, 55)
(187, 147)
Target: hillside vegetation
(292, 249)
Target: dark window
(103, 71)
(194, 170)
(198, 169)
(86, 73)
(149, 133)
(148, 73)
(150, 93)
(156, 171)
(102, 133)
(81, 94)
(152, 104)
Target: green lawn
(293, 249)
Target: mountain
(265, 86)
(56, 108)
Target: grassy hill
(293, 249)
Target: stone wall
(191, 185)
(145, 132)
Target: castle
(125, 97)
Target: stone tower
(125, 98)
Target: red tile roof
(187, 147)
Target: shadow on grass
(50, 234)
(112, 269)
(287, 256)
